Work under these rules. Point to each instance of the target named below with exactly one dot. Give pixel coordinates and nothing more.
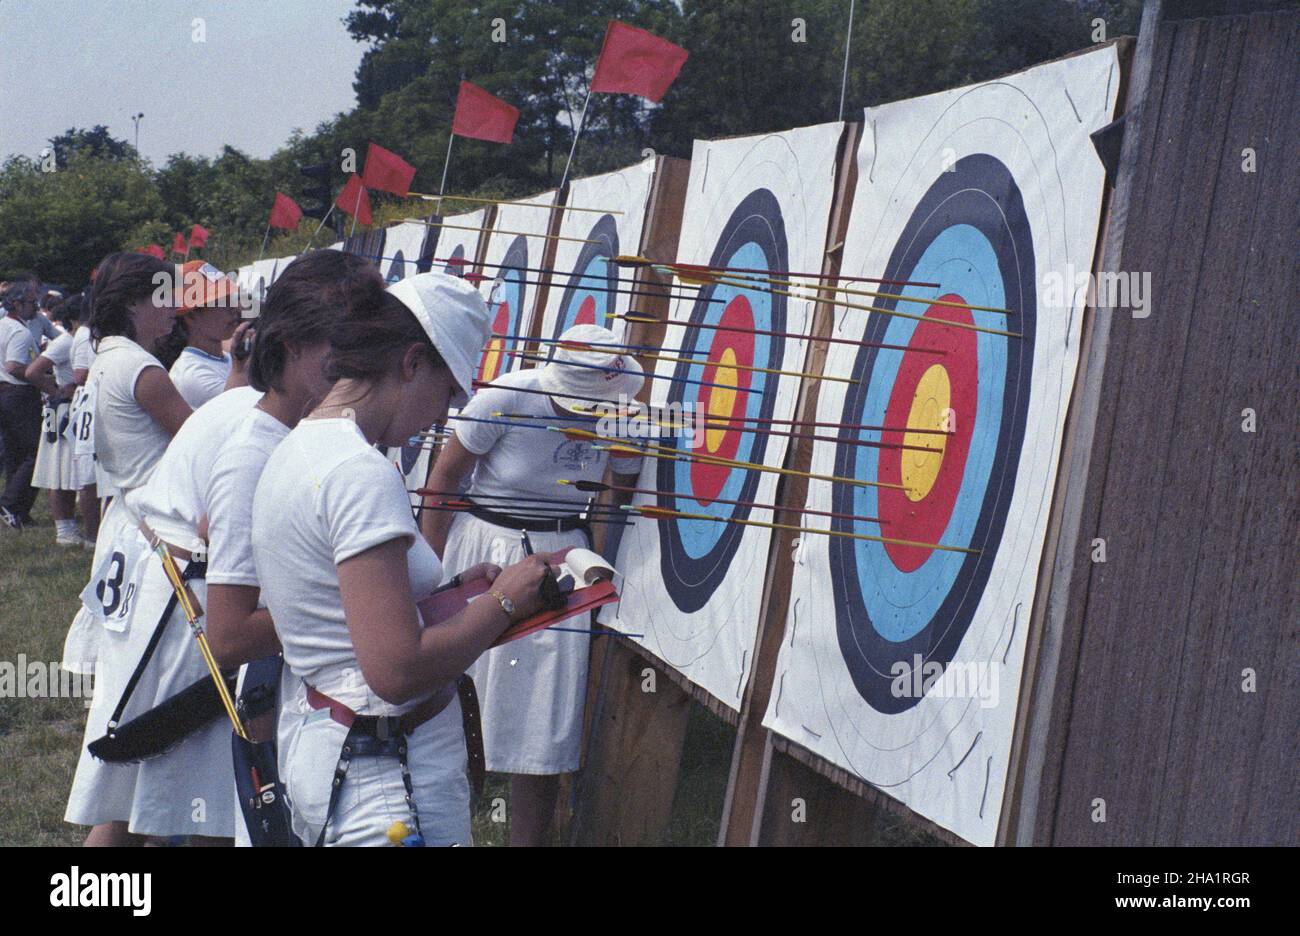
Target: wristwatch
(507, 605)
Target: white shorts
(373, 796)
(55, 469)
(532, 691)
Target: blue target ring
(397, 269)
(969, 233)
(589, 296)
(696, 555)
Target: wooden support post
(634, 738)
(752, 758)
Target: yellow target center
(930, 407)
(722, 401)
(491, 356)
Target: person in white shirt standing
(136, 411)
(80, 425)
(20, 403)
(210, 313)
(52, 373)
(534, 691)
(374, 737)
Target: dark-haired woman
(288, 365)
(136, 411)
(202, 368)
(341, 566)
(55, 472)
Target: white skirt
(81, 646)
(103, 792)
(373, 796)
(55, 470)
(532, 691)
(188, 789)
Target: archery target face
(603, 217)
(506, 301)
(693, 586)
(902, 661)
(396, 268)
(455, 242)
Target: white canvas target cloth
(402, 245)
(516, 251)
(583, 284)
(902, 663)
(693, 587)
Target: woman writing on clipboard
(374, 738)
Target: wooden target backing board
(514, 284)
(586, 284)
(905, 632)
(692, 587)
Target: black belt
(559, 524)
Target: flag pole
(848, 40)
(355, 208)
(442, 186)
(329, 212)
(265, 239)
(582, 120)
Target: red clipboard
(446, 604)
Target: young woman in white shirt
(136, 411)
(80, 424)
(341, 566)
(52, 373)
(533, 692)
(209, 314)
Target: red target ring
(932, 391)
(586, 312)
(719, 403)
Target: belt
(176, 551)
(559, 524)
(471, 722)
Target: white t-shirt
(40, 327)
(83, 352)
(15, 347)
(199, 376)
(175, 499)
(325, 496)
(520, 462)
(235, 472)
(59, 351)
(128, 441)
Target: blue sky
(266, 67)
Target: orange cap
(203, 285)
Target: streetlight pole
(135, 119)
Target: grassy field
(39, 738)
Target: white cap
(607, 375)
(454, 316)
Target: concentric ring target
(897, 604)
(456, 262)
(397, 269)
(695, 555)
(509, 291)
(589, 295)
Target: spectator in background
(20, 403)
(209, 314)
(52, 374)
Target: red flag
(285, 213)
(199, 236)
(354, 200)
(179, 246)
(633, 61)
(152, 250)
(387, 172)
(483, 116)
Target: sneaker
(11, 519)
(69, 539)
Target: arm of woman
(158, 397)
(238, 631)
(402, 661)
(452, 465)
(40, 374)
